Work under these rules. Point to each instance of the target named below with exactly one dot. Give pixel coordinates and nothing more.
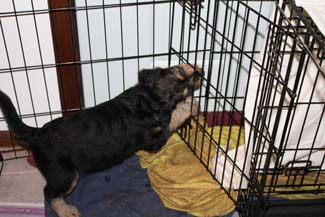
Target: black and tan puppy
(141, 118)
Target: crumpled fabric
(180, 179)
(122, 191)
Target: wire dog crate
(264, 79)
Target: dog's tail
(15, 124)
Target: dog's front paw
(192, 105)
(69, 211)
(183, 111)
(195, 107)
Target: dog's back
(96, 138)
(103, 136)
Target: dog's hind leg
(60, 182)
(73, 185)
(182, 112)
(63, 209)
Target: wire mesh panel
(263, 103)
(58, 57)
(288, 116)
(227, 43)
(27, 67)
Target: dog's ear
(144, 75)
(147, 77)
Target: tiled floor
(21, 185)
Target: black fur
(103, 136)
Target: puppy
(141, 118)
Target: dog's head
(171, 85)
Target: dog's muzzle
(183, 71)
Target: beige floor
(21, 184)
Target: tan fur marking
(73, 185)
(180, 77)
(187, 68)
(63, 209)
(185, 92)
(182, 113)
(156, 130)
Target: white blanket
(316, 10)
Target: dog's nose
(198, 73)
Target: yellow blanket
(180, 179)
(308, 185)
